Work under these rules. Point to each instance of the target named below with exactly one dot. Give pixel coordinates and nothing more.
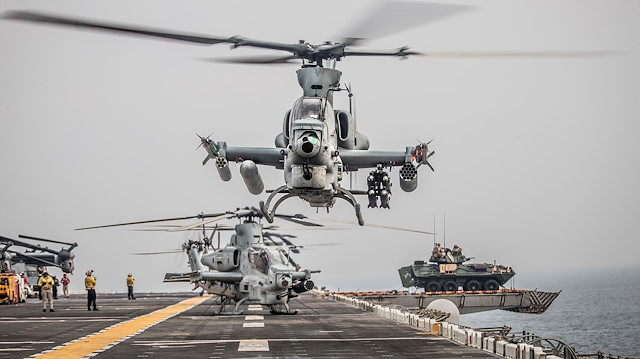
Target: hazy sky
(536, 159)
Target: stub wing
(259, 155)
(225, 277)
(353, 160)
(177, 277)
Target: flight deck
(184, 325)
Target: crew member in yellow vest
(130, 281)
(90, 285)
(46, 289)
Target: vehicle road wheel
(432, 287)
(450, 287)
(473, 285)
(491, 285)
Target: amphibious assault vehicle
(448, 273)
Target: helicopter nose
(308, 145)
(284, 281)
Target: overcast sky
(536, 158)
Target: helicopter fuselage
(317, 145)
(247, 269)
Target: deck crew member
(46, 290)
(130, 281)
(90, 285)
(65, 284)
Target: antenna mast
(444, 231)
(434, 230)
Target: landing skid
(264, 207)
(236, 311)
(347, 196)
(341, 193)
(276, 309)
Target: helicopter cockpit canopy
(263, 258)
(309, 107)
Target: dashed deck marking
(253, 346)
(254, 317)
(253, 325)
(86, 346)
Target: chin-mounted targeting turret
(308, 144)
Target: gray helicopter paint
(244, 270)
(309, 153)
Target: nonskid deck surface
(183, 325)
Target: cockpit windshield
(262, 262)
(311, 107)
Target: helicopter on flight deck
(255, 266)
(252, 267)
(46, 256)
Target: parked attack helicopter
(62, 258)
(249, 268)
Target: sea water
(598, 310)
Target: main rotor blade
(45, 240)
(138, 222)
(533, 54)
(152, 221)
(160, 33)
(395, 16)
(164, 228)
(370, 225)
(303, 227)
(297, 220)
(154, 253)
(257, 60)
(97, 25)
(202, 223)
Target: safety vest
(89, 283)
(130, 281)
(46, 283)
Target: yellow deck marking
(88, 345)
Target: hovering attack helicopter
(248, 268)
(62, 258)
(318, 143)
